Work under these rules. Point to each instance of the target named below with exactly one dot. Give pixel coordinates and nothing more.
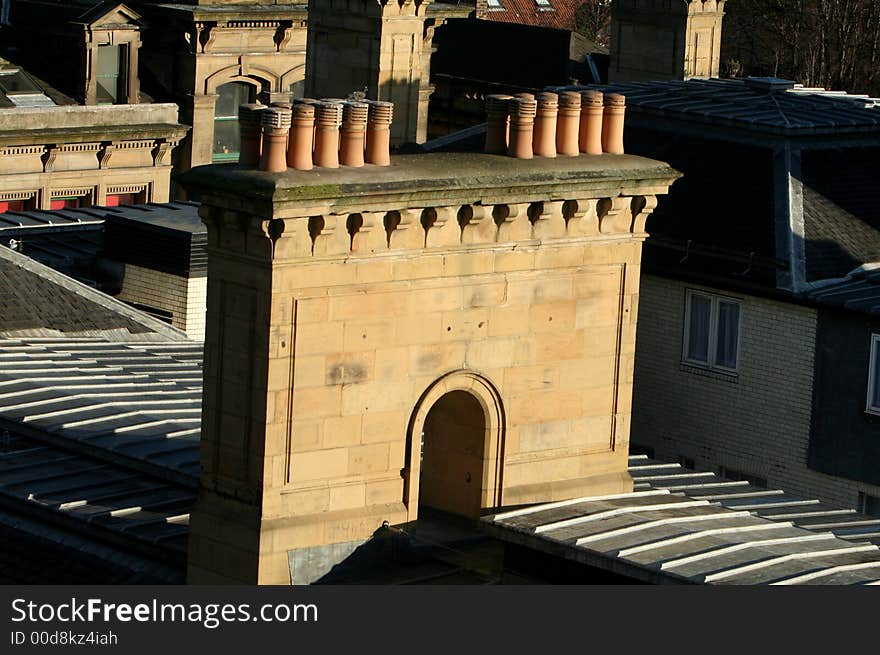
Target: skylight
(16, 81)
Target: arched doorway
(451, 468)
(455, 457)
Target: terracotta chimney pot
(590, 138)
(276, 126)
(251, 134)
(544, 139)
(612, 123)
(302, 136)
(568, 123)
(353, 134)
(497, 123)
(379, 133)
(522, 122)
(328, 118)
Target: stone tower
(381, 46)
(453, 331)
(665, 39)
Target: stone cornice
(428, 180)
(89, 133)
(425, 202)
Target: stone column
(380, 47)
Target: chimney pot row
(310, 132)
(249, 120)
(276, 123)
(565, 123)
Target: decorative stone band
(447, 226)
(569, 122)
(425, 201)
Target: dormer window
(112, 41)
(544, 5)
(112, 74)
(494, 5)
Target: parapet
(425, 201)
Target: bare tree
(593, 20)
(827, 43)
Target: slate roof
(841, 192)
(683, 526)
(859, 292)
(38, 301)
(133, 402)
(724, 136)
(764, 105)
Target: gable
(110, 15)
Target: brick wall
(196, 303)
(184, 298)
(758, 422)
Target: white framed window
(873, 404)
(712, 331)
(494, 5)
(544, 4)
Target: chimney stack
(568, 123)
(251, 133)
(544, 139)
(590, 139)
(353, 134)
(379, 133)
(497, 123)
(276, 126)
(328, 118)
(522, 122)
(302, 136)
(612, 124)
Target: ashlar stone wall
(343, 305)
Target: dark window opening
(868, 504)
(116, 199)
(15, 205)
(70, 202)
(227, 142)
(111, 74)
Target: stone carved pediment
(108, 15)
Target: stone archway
(462, 421)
